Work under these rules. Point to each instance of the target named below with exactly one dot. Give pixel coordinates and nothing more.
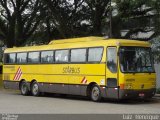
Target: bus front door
(112, 73)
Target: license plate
(141, 94)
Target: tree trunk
(97, 20)
(11, 33)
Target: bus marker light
(121, 86)
(102, 88)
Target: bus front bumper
(131, 94)
(117, 93)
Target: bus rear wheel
(24, 88)
(95, 93)
(35, 89)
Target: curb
(157, 95)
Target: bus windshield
(136, 59)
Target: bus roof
(80, 42)
(75, 40)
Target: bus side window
(21, 57)
(10, 58)
(47, 56)
(6, 58)
(33, 57)
(78, 55)
(62, 56)
(112, 59)
(95, 54)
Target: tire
(95, 93)
(24, 88)
(35, 89)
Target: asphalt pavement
(13, 102)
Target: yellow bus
(89, 66)
(0, 74)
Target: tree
(98, 10)
(136, 16)
(19, 20)
(156, 18)
(66, 17)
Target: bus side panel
(11, 85)
(57, 78)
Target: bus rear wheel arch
(35, 90)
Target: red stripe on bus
(20, 74)
(83, 79)
(16, 74)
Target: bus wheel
(24, 88)
(95, 93)
(35, 89)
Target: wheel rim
(35, 89)
(95, 93)
(24, 88)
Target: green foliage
(137, 16)
(155, 44)
(39, 21)
(18, 21)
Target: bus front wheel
(35, 89)
(95, 93)
(24, 88)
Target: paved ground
(13, 102)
